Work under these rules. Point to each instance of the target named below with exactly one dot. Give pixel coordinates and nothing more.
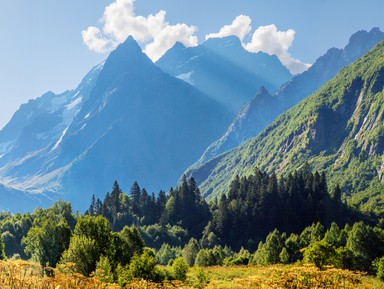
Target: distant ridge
(224, 70)
(339, 129)
(264, 107)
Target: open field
(22, 274)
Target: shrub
(180, 269)
(380, 269)
(321, 253)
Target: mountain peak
(223, 42)
(178, 46)
(129, 47)
(262, 91)
(362, 41)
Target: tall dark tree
(135, 196)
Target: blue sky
(42, 44)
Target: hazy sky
(51, 44)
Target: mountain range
(222, 69)
(133, 120)
(338, 130)
(127, 120)
(265, 106)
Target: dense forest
(263, 219)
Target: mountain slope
(264, 108)
(138, 123)
(224, 70)
(339, 129)
(12, 200)
(35, 128)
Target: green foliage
(322, 253)
(92, 239)
(127, 243)
(332, 236)
(242, 257)
(204, 258)
(139, 208)
(156, 235)
(82, 251)
(104, 270)
(292, 245)
(96, 228)
(143, 267)
(180, 269)
(48, 238)
(13, 228)
(311, 234)
(284, 256)
(269, 252)
(2, 249)
(200, 279)
(167, 254)
(380, 269)
(257, 204)
(186, 208)
(190, 251)
(367, 244)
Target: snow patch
(74, 103)
(60, 139)
(87, 116)
(105, 98)
(186, 77)
(76, 94)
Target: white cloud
(153, 32)
(269, 40)
(266, 39)
(95, 41)
(168, 36)
(240, 27)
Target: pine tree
(92, 206)
(135, 196)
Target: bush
(321, 253)
(144, 267)
(104, 270)
(380, 269)
(200, 279)
(83, 252)
(204, 258)
(180, 269)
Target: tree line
(181, 228)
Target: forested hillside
(337, 130)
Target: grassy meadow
(22, 274)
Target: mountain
(42, 121)
(136, 123)
(339, 130)
(12, 200)
(224, 70)
(257, 111)
(264, 107)
(35, 128)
